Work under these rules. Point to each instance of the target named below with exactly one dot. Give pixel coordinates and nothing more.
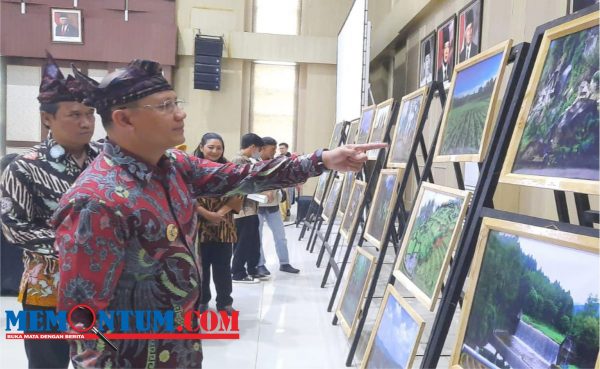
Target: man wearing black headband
(125, 230)
(30, 190)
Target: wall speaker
(207, 62)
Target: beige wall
(227, 111)
(413, 20)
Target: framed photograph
(411, 110)
(382, 206)
(332, 198)
(532, 300)
(577, 5)
(352, 132)
(351, 214)
(555, 141)
(444, 66)
(427, 59)
(66, 25)
(469, 30)
(346, 188)
(383, 115)
(433, 229)
(366, 121)
(396, 335)
(336, 135)
(351, 302)
(322, 187)
(471, 106)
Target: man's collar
(133, 164)
(57, 153)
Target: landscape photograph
(404, 132)
(541, 312)
(382, 206)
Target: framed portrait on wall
(470, 110)
(468, 42)
(66, 25)
(576, 5)
(556, 137)
(427, 59)
(534, 314)
(445, 50)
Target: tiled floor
(283, 322)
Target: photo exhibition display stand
(371, 177)
(313, 215)
(523, 57)
(399, 212)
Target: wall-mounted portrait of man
(66, 25)
(446, 50)
(427, 59)
(469, 31)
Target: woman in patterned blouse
(217, 232)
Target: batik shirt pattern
(30, 189)
(125, 236)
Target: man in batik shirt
(126, 228)
(30, 190)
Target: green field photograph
(382, 206)
(532, 300)
(431, 236)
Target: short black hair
(250, 139)
(50, 108)
(284, 144)
(269, 141)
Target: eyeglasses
(166, 107)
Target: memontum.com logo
(82, 322)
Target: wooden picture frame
(460, 124)
(557, 266)
(389, 180)
(409, 326)
(336, 135)
(365, 124)
(445, 34)
(475, 8)
(383, 116)
(411, 110)
(446, 205)
(427, 65)
(321, 187)
(66, 25)
(352, 132)
(543, 150)
(359, 278)
(346, 189)
(351, 215)
(332, 197)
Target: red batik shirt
(125, 236)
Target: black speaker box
(207, 62)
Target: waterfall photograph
(535, 305)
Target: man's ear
(46, 119)
(121, 118)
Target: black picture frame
(424, 79)
(449, 25)
(476, 9)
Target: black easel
(524, 56)
(314, 211)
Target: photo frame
(351, 215)
(321, 187)
(411, 110)
(396, 334)
(336, 135)
(557, 148)
(471, 106)
(468, 42)
(539, 299)
(382, 206)
(365, 124)
(351, 301)
(427, 59)
(66, 25)
(352, 131)
(445, 51)
(332, 198)
(431, 235)
(383, 116)
(576, 5)
(346, 189)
